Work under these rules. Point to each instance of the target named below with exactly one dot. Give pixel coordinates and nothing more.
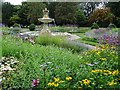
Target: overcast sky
(15, 2)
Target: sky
(15, 2)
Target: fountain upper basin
(46, 20)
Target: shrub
(94, 26)
(111, 25)
(80, 17)
(32, 27)
(16, 28)
(16, 25)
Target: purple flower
(109, 39)
(35, 82)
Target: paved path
(82, 45)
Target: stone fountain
(45, 21)
(45, 30)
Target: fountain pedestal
(45, 21)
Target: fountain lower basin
(36, 34)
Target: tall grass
(59, 41)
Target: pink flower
(35, 82)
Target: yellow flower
(111, 83)
(96, 71)
(56, 79)
(51, 84)
(104, 46)
(99, 70)
(113, 47)
(106, 71)
(103, 59)
(103, 49)
(68, 78)
(115, 72)
(97, 52)
(112, 52)
(56, 84)
(61, 81)
(86, 53)
(86, 81)
(93, 71)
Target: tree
(15, 19)
(7, 12)
(1, 11)
(52, 7)
(80, 17)
(23, 14)
(102, 16)
(65, 13)
(35, 11)
(115, 9)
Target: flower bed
(52, 67)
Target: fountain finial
(45, 13)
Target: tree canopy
(63, 13)
(7, 12)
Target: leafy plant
(16, 25)
(89, 70)
(111, 26)
(16, 28)
(32, 27)
(94, 26)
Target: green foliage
(16, 25)
(111, 26)
(35, 11)
(7, 12)
(32, 27)
(114, 7)
(52, 7)
(80, 17)
(47, 39)
(65, 13)
(102, 16)
(14, 19)
(90, 39)
(16, 28)
(59, 41)
(94, 26)
(98, 66)
(5, 30)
